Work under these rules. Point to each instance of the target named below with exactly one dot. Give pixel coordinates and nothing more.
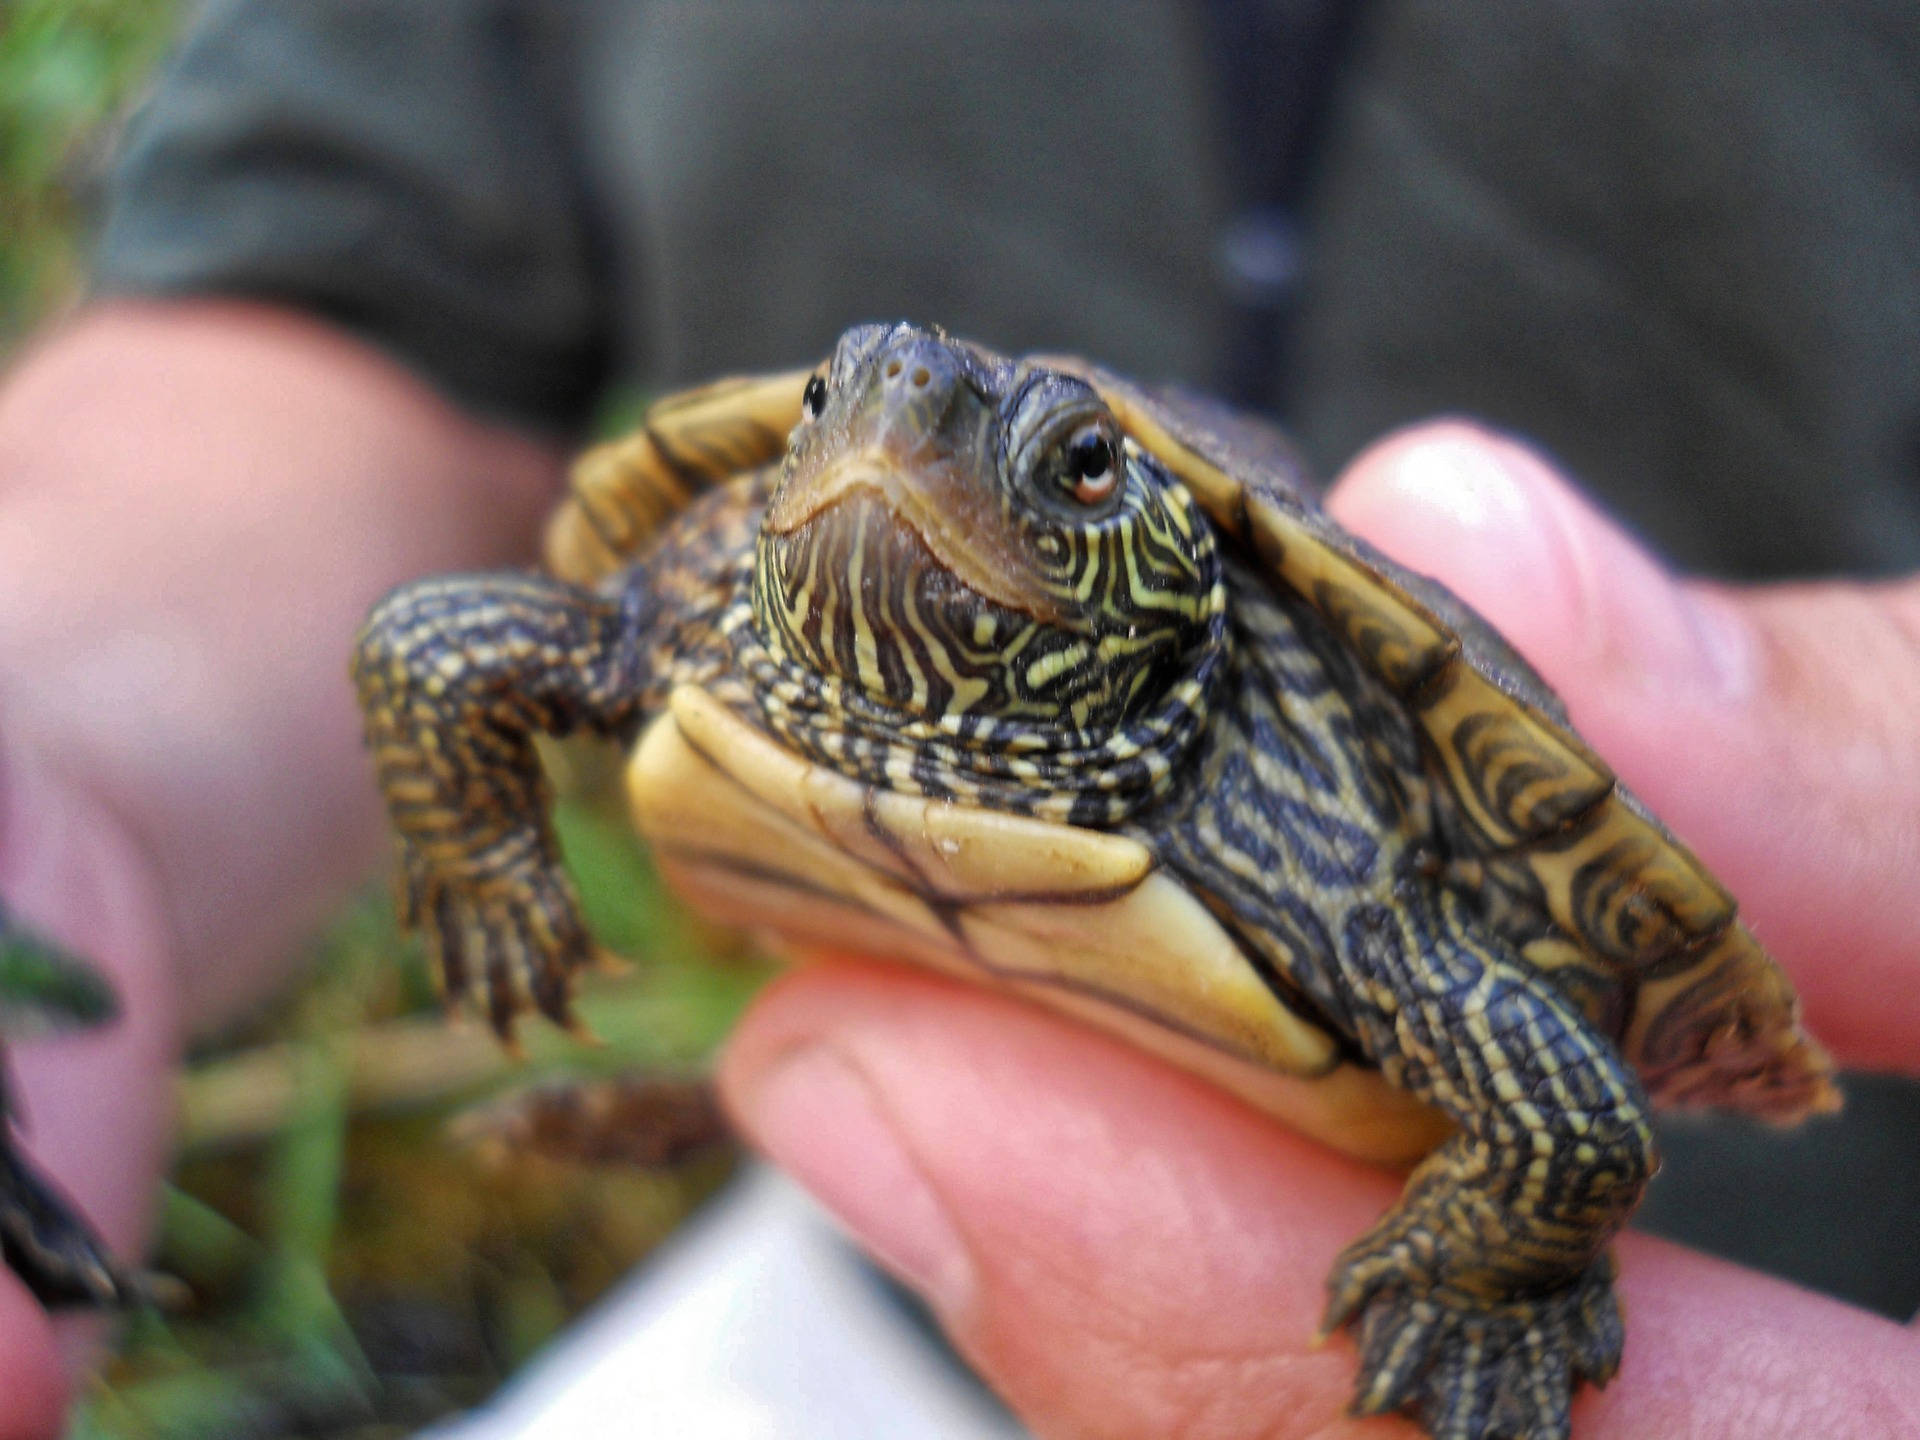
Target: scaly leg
(456, 676)
(1485, 1296)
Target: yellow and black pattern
(1567, 864)
(1041, 589)
(858, 599)
(621, 493)
(1482, 1298)
(866, 657)
(457, 675)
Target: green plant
(68, 69)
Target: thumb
(1775, 729)
(1126, 1253)
(89, 1109)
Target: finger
(33, 1387)
(1775, 729)
(1125, 1252)
(93, 1108)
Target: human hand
(199, 500)
(93, 1107)
(1124, 1251)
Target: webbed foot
(1472, 1368)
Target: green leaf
(43, 988)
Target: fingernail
(821, 1119)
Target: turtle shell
(1079, 920)
(1581, 880)
(1581, 877)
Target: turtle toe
(49, 1246)
(519, 935)
(1474, 1370)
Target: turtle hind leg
(1485, 1297)
(455, 677)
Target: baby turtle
(1047, 678)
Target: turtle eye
(814, 398)
(1087, 469)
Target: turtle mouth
(937, 502)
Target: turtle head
(957, 533)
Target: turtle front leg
(1485, 1296)
(456, 676)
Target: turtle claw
(519, 935)
(606, 962)
(53, 1251)
(1474, 1369)
(582, 1033)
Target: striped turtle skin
(1028, 672)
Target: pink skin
(1124, 1251)
(1127, 1253)
(198, 503)
(1776, 728)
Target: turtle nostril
(919, 371)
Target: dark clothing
(1678, 244)
(525, 199)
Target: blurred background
(358, 1268)
(359, 1265)
(67, 69)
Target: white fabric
(756, 1323)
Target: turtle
(45, 990)
(1064, 682)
